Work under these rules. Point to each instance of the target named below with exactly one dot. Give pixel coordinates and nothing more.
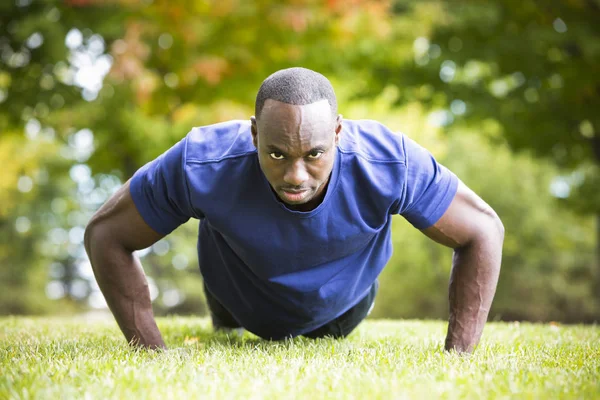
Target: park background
(504, 93)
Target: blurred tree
(186, 63)
(547, 267)
(547, 263)
(173, 65)
(189, 63)
(91, 90)
(525, 72)
(40, 218)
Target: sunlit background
(505, 93)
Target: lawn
(51, 358)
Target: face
(296, 149)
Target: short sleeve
(429, 187)
(160, 191)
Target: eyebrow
(274, 149)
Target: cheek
(271, 170)
(320, 171)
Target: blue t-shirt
(281, 272)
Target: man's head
(295, 130)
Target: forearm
(122, 281)
(473, 281)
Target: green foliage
(524, 72)
(548, 255)
(511, 78)
(39, 200)
(173, 65)
(42, 358)
(24, 217)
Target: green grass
(52, 358)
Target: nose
(296, 174)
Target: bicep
(467, 218)
(119, 222)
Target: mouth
(294, 195)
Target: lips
(293, 196)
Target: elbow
(89, 243)
(90, 233)
(100, 246)
(497, 224)
(94, 237)
(87, 237)
(500, 227)
(494, 225)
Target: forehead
(295, 126)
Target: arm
(113, 233)
(476, 234)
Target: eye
(276, 156)
(315, 154)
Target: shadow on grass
(207, 338)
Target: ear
(338, 128)
(254, 131)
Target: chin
(297, 202)
(285, 198)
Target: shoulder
(372, 141)
(217, 142)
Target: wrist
(459, 344)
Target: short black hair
(298, 86)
